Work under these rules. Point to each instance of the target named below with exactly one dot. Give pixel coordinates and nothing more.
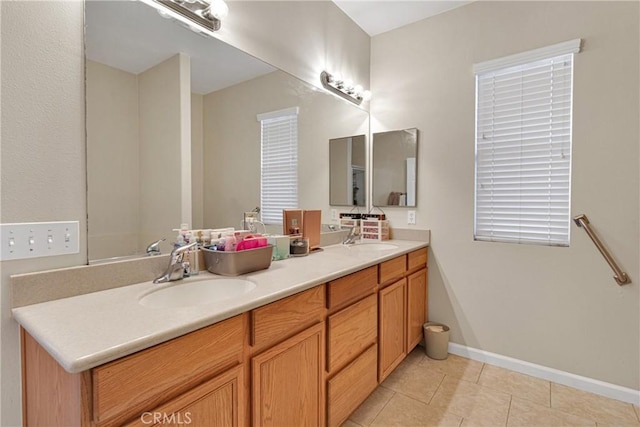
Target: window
(279, 163)
(523, 146)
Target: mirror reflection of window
(279, 163)
(395, 168)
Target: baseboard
(565, 378)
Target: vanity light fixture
(207, 15)
(344, 88)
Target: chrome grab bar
(619, 275)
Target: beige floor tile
(415, 356)
(414, 381)
(617, 424)
(350, 423)
(370, 408)
(525, 413)
(637, 409)
(481, 405)
(403, 411)
(520, 385)
(456, 366)
(592, 406)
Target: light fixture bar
(192, 11)
(339, 88)
(200, 15)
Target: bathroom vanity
(305, 347)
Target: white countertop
(85, 331)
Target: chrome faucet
(177, 266)
(354, 234)
(154, 248)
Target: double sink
(202, 292)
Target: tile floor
(463, 392)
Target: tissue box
(280, 247)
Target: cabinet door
(416, 307)
(393, 323)
(288, 383)
(216, 403)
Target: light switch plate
(39, 239)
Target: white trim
(590, 385)
(571, 46)
(293, 111)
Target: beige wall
(162, 121)
(134, 134)
(113, 159)
(197, 160)
(42, 148)
(232, 143)
(557, 307)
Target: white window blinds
(279, 163)
(523, 147)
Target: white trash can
(436, 340)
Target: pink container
(251, 242)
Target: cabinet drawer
(393, 269)
(124, 388)
(349, 388)
(282, 319)
(351, 331)
(216, 403)
(351, 288)
(417, 259)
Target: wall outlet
(411, 217)
(334, 214)
(39, 239)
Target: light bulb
(348, 84)
(366, 95)
(164, 14)
(218, 9)
(358, 89)
(337, 77)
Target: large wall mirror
(347, 167)
(172, 129)
(395, 168)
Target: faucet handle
(154, 248)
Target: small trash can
(436, 340)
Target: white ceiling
(376, 17)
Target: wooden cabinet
(349, 289)
(350, 332)
(392, 327)
(274, 322)
(124, 390)
(288, 382)
(216, 403)
(416, 307)
(351, 386)
(300, 361)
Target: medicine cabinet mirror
(395, 168)
(172, 129)
(347, 171)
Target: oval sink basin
(372, 247)
(188, 294)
